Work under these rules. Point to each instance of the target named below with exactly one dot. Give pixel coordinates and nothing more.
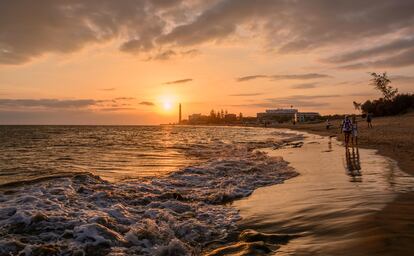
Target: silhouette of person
(369, 120)
(346, 129)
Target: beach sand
(391, 136)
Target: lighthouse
(179, 113)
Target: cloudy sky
(132, 61)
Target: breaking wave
(173, 215)
(180, 213)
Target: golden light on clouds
(135, 61)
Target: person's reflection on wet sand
(329, 145)
(353, 164)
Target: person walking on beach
(369, 120)
(354, 131)
(346, 128)
(328, 124)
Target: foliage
(391, 103)
(381, 82)
(357, 105)
(399, 104)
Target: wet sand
(343, 203)
(391, 136)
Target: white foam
(173, 215)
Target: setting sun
(167, 102)
(167, 105)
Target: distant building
(282, 111)
(307, 116)
(277, 115)
(286, 115)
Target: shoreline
(391, 136)
(346, 203)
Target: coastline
(390, 136)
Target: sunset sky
(133, 61)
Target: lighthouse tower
(179, 113)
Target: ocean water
(117, 152)
(129, 190)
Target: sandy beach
(391, 136)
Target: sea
(193, 190)
(130, 190)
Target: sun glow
(167, 105)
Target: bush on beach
(400, 104)
(392, 103)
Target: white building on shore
(286, 115)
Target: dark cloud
(169, 54)
(181, 81)
(113, 109)
(294, 100)
(29, 29)
(47, 103)
(165, 3)
(308, 97)
(125, 98)
(395, 46)
(299, 76)
(32, 28)
(397, 53)
(191, 52)
(284, 77)
(297, 25)
(108, 89)
(73, 116)
(245, 94)
(248, 78)
(405, 58)
(166, 55)
(116, 103)
(304, 86)
(146, 103)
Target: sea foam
(176, 214)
